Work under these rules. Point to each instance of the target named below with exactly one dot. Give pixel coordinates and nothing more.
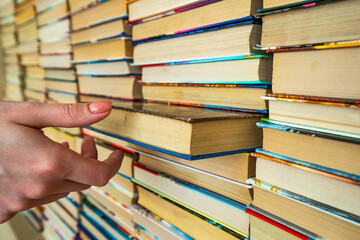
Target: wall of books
(239, 119)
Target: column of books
(190, 140)
(101, 41)
(12, 68)
(308, 171)
(26, 28)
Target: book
(146, 8)
(28, 47)
(107, 68)
(328, 150)
(246, 69)
(54, 12)
(195, 132)
(232, 96)
(225, 42)
(278, 3)
(223, 175)
(321, 114)
(264, 225)
(120, 193)
(35, 84)
(182, 218)
(197, 16)
(117, 48)
(76, 5)
(34, 95)
(303, 212)
(323, 76)
(62, 46)
(24, 14)
(43, 5)
(35, 71)
(55, 31)
(122, 87)
(100, 31)
(56, 61)
(62, 85)
(307, 26)
(62, 229)
(30, 59)
(97, 13)
(61, 97)
(304, 181)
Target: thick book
(61, 61)
(107, 68)
(196, 133)
(318, 73)
(62, 46)
(189, 221)
(224, 41)
(246, 69)
(52, 13)
(224, 175)
(143, 9)
(100, 31)
(313, 24)
(310, 182)
(54, 31)
(26, 32)
(197, 16)
(238, 97)
(120, 87)
(110, 49)
(333, 114)
(311, 146)
(98, 12)
(62, 85)
(304, 212)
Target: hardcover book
(196, 133)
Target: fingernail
(100, 107)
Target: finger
(88, 148)
(66, 144)
(89, 171)
(41, 115)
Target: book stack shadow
(307, 172)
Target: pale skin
(35, 170)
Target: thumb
(41, 115)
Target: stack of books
(101, 41)
(206, 198)
(26, 27)
(56, 52)
(308, 173)
(13, 70)
(102, 51)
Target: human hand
(35, 170)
